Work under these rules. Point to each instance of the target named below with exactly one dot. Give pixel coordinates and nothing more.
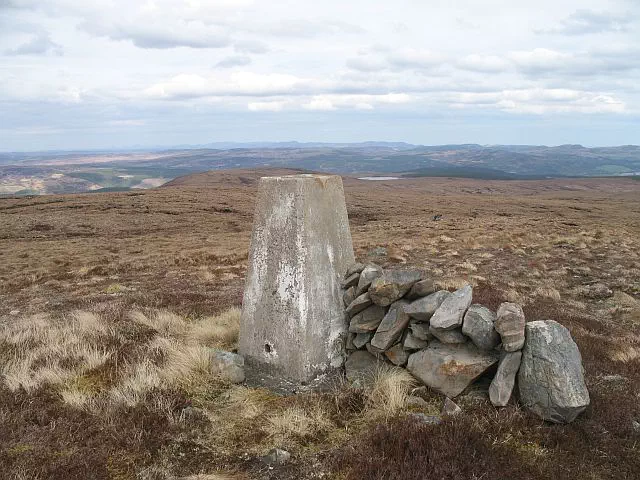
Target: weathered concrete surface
(293, 316)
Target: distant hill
(58, 172)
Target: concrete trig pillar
(293, 320)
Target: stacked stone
(447, 342)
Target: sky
(99, 74)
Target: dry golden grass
(388, 392)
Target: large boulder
(392, 286)
(510, 325)
(367, 320)
(451, 313)
(359, 304)
(391, 327)
(478, 325)
(449, 369)
(551, 377)
(502, 384)
(368, 275)
(424, 308)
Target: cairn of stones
(447, 342)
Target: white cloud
(583, 22)
(275, 106)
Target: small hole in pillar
(267, 348)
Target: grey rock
(551, 376)
(392, 326)
(392, 286)
(351, 280)
(597, 291)
(420, 330)
(411, 342)
(415, 401)
(349, 296)
(349, 343)
(449, 369)
(397, 355)
(428, 419)
(510, 325)
(354, 268)
(635, 426)
(478, 325)
(361, 339)
(367, 320)
(276, 456)
(360, 367)
(378, 252)
(450, 408)
(368, 275)
(451, 313)
(375, 351)
(448, 336)
(421, 289)
(230, 366)
(502, 384)
(424, 308)
(359, 304)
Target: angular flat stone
(392, 326)
(397, 355)
(354, 268)
(449, 369)
(361, 339)
(359, 304)
(420, 330)
(367, 320)
(350, 281)
(510, 325)
(450, 408)
(412, 343)
(448, 336)
(360, 367)
(421, 289)
(478, 325)
(451, 312)
(424, 308)
(349, 296)
(502, 384)
(368, 275)
(392, 286)
(551, 376)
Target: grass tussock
(388, 392)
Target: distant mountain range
(59, 172)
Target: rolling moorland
(108, 302)
(73, 172)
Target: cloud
(249, 84)
(146, 34)
(234, 61)
(584, 22)
(39, 44)
(378, 59)
(275, 106)
(483, 63)
(538, 101)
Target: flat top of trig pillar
(300, 176)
